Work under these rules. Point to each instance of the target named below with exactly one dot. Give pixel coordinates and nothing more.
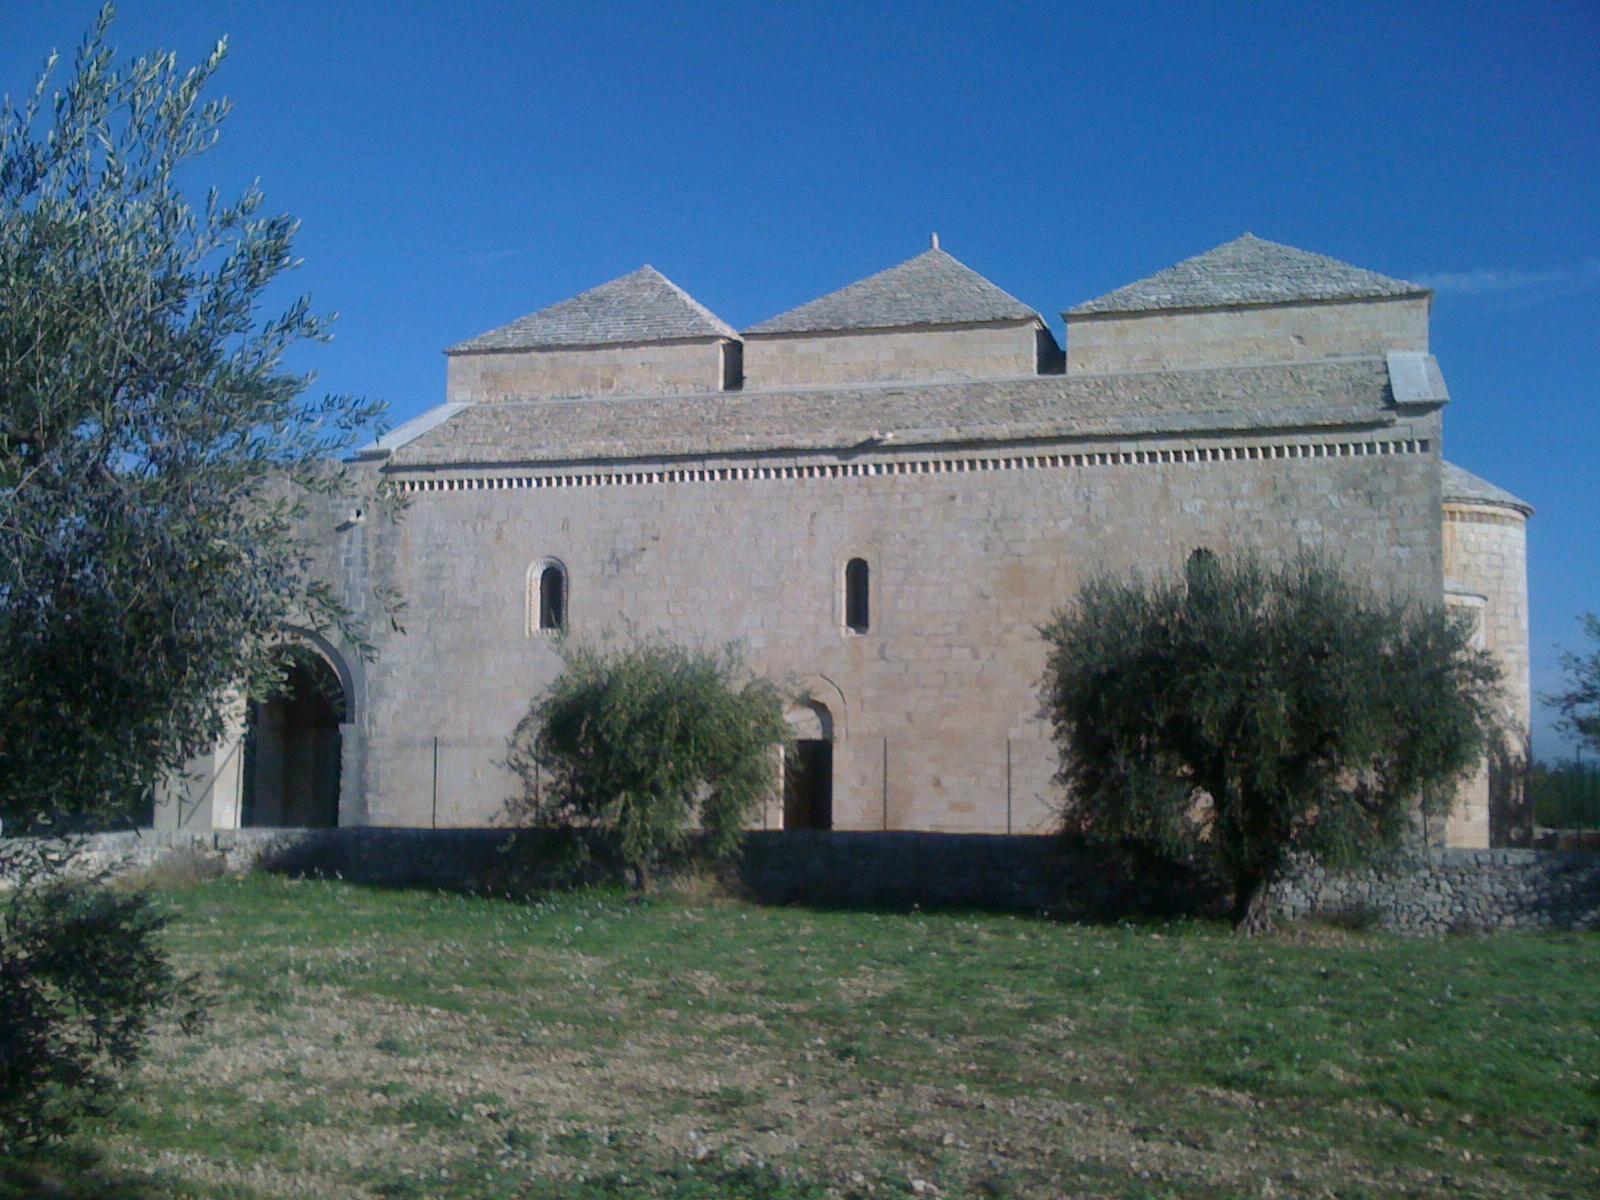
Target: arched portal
(808, 769)
(293, 747)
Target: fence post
(434, 821)
(1008, 785)
(886, 785)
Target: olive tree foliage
(154, 457)
(1251, 714)
(155, 452)
(1579, 700)
(661, 747)
(83, 976)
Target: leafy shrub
(1579, 701)
(665, 749)
(83, 976)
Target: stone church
(881, 496)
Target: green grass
(399, 1044)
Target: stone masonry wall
(1486, 549)
(653, 369)
(1486, 552)
(935, 710)
(1276, 333)
(1452, 890)
(928, 352)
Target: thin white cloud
(494, 256)
(1516, 286)
(1487, 281)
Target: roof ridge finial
(936, 240)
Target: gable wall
(652, 369)
(1222, 337)
(928, 352)
(935, 709)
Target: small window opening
(552, 598)
(857, 596)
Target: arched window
(547, 597)
(857, 596)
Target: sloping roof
(1346, 393)
(1465, 487)
(1248, 270)
(644, 306)
(410, 431)
(934, 288)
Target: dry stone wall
(1456, 890)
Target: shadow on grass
(1063, 878)
(78, 1172)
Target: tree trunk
(1252, 906)
(641, 878)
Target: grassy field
(395, 1044)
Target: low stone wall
(1456, 890)
(1440, 891)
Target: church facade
(880, 496)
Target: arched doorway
(808, 769)
(293, 747)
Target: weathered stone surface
(1249, 271)
(1228, 400)
(1001, 350)
(934, 288)
(1158, 341)
(641, 307)
(1441, 891)
(1296, 409)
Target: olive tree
(154, 456)
(1250, 714)
(1578, 701)
(154, 450)
(657, 745)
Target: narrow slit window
(857, 596)
(552, 598)
(548, 597)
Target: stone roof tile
(644, 306)
(1464, 486)
(1248, 270)
(1343, 393)
(934, 288)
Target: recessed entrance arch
(293, 746)
(808, 768)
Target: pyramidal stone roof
(1249, 270)
(1465, 487)
(644, 306)
(934, 288)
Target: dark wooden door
(808, 785)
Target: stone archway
(293, 747)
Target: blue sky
(458, 165)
